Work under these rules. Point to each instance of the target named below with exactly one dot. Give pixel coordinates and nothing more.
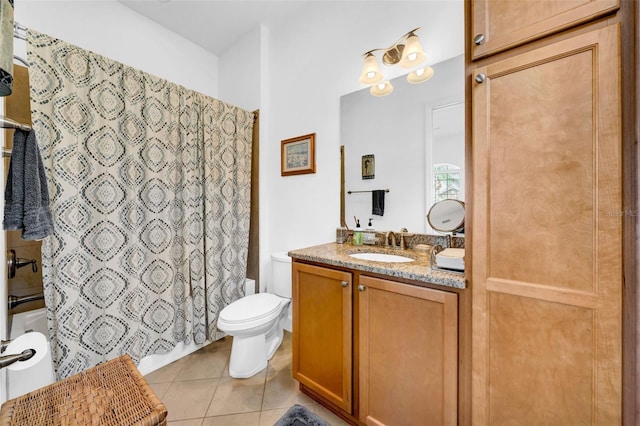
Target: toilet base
(250, 354)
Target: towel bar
(7, 123)
(354, 192)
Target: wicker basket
(113, 393)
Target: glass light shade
(420, 75)
(381, 89)
(413, 54)
(371, 73)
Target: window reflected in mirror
(447, 182)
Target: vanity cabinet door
(408, 354)
(322, 332)
(547, 235)
(500, 25)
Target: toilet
(256, 322)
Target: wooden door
(408, 354)
(547, 237)
(501, 24)
(322, 332)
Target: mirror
(447, 216)
(404, 136)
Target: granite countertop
(419, 270)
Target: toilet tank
(281, 274)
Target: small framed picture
(298, 155)
(368, 167)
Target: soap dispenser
(369, 236)
(357, 234)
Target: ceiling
(216, 24)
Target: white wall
(113, 30)
(311, 63)
(240, 69)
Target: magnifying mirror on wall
(447, 216)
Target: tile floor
(198, 391)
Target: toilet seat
(255, 310)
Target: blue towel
(26, 196)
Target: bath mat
(300, 416)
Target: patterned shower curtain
(150, 192)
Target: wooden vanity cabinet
(322, 332)
(499, 25)
(381, 352)
(408, 353)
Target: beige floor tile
(204, 365)
(327, 415)
(223, 344)
(199, 385)
(189, 399)
(281, 360)
(168, 373)
(159, 388)
(282, 391)
(243, 419)
(270, 417)
(287, 338)
(193, 422)
(238, 395)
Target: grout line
(216, 390)
(264, 391)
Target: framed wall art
(298, 155)
(368, 167)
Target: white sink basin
(381, 257)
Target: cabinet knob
(361, 287)
(344, 283)
(480, 78)
(478, 39)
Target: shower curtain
(150, 192)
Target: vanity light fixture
(407, 52)
(381, 89)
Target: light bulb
(420, 75)
(381, 89)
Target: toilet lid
(251, 308)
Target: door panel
(408, 354)
(508, 23)
(547, 240)
(322, 332)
